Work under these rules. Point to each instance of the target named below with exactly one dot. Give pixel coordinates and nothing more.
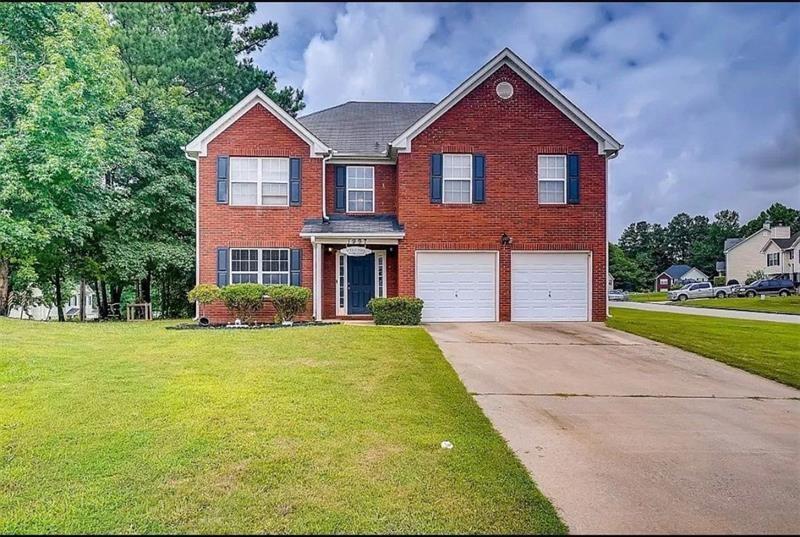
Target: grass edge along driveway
(765, 348)
(789, 305)
(131, 428)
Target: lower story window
(773, 260)
(379, 268)
(268, 266)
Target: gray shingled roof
(676, 271)
(730, 243)
(786, 243)
(363, 128)
(378, 223)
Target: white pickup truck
(702, 290)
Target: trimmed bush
(243, 299)
(398, 310)
(289, 300)
(204, 293)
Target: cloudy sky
(705, 97)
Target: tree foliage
(96, 101)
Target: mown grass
(766, 348)
(648, 297)
(132, 428)
(772, 304)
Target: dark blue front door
(360, 283)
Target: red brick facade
(510, 133)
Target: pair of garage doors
(463, 286)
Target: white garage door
(457, 286)
(549, 286)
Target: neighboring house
(745, 256)
(489, 205)
(781, 258)
(679, 275)
(45, 312)
(610, 281)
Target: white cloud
(372, 55)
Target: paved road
(709, 312)
(626, 435)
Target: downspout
(196, 161)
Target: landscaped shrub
(754, 276)
(204, 293)
(289, 300)
(398, 310)
(243, 299)
(719, 280)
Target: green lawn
(765, 348)
(131, 428)
(771, 304)
(648, 297)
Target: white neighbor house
(743, 256)
(781, 257)
(49, 312)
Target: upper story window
(259, 181)
(360, 189)
(457, 179)
(552, 179)
(267, 266)
(773, 259)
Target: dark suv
(778, 286)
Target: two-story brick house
(489, 205)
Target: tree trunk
(82, 304)
(102, 299)
(5, 284)
(59, 300)
(147, 284)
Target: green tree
(69, 122)
(777, 214)
(186, 64)
(628, 273)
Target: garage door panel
(549, 286)
(457, 286)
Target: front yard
(771, 304)
(131, 428)
(648, 297)
(765, 348)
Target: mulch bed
(256, 326)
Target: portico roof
(383, 225)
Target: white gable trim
(199, 146)
(606, 144)
(756, 234)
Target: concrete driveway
(625, 435)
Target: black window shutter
(573, 178)
(478, 178)
(295, 266)
(436, 178)
(222, 267)
(341, 188)
(223, 164)
(295, 174)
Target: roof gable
(783, 244)
(606, 144)
(676, 271)
(744, 240)
(199, 146)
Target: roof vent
(504, 90)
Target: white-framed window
(790, 254)
(267, 266)
(774, 259)
(360, 189)
(259, 181)
(663, 281)
(380, 274)
(457, 178)
(552, 170)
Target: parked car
(776, 286)
(702, 290)
(617, 295)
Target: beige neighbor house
(49, 312)
(745, 256)
(781, 257)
